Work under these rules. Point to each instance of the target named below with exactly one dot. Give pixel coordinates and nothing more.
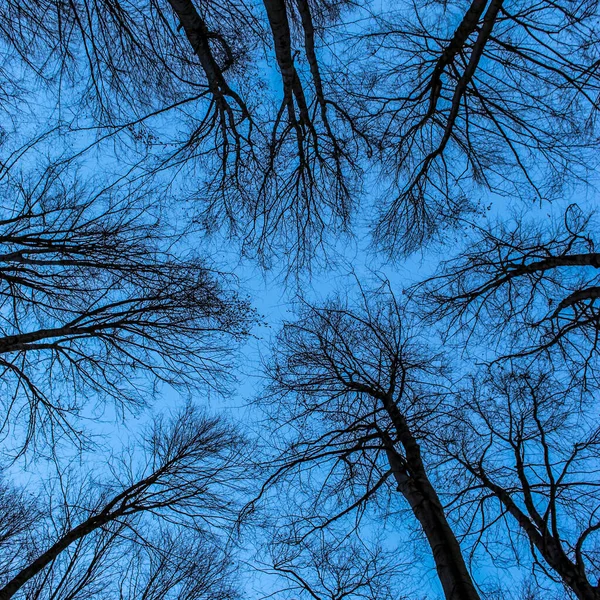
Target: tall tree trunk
(413, 483)
(416, 488)
(411, 476)
(572, 574)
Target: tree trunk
(411, 477)
(415, 486)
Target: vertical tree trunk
(411, 477)
(415, 486)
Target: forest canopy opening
(299, 299)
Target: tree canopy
(417, 182)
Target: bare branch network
(414, 435)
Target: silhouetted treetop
(441, 100)
(96, 302)
(529, 286)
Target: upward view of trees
(413, 433)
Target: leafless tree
(278, 171)
(529, 287)
(330, 568)
(444, 99)
(153, 525)
(268, 121)
(500, 461)
(526, 452)
(359, 393)
(97, 300)
(465, 96)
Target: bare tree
(267, 121)
(469, 95)
(529, 287)
(334, 568)
(279, 173)
(154, 526)
(130, 63)
(442, 98)
(96, 296)
(359, 393)
(502, 461)
(526, 452)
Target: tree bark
(411, 476)
(467, 26)
(282, 41)
(512, 269)
(197, 34)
